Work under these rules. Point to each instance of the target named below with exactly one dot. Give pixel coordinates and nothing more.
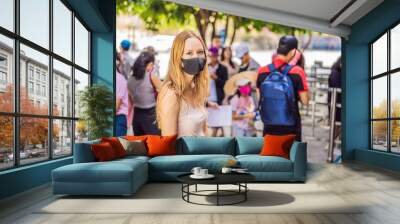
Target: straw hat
(238, 79)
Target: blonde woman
(181, 102)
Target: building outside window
(385, 94)
(58, 128)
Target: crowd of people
(199, 77)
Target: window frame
(16, 114)
(388, 74)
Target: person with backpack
(281, 87)
(143, 87)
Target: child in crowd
(243, 110)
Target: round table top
(220, 178)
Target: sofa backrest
(249, 145)
(83, 152)
(206, 145)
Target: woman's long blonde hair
(175, 79)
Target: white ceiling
(316, 15)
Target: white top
(191, 120)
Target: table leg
(196, 187)
(217, 194)
(245, 193)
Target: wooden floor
(378, 189)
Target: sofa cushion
(134, 147)
(249, 145)
(161, 145)
(103, 152)
(185, 163)
(113, 171)
(257, 163)
(277, 145)
(116, 145)
(206, 145)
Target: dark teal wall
(356, 84)
(24, 178)
(100, 17)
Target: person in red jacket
(286, 52)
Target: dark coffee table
(238, 179)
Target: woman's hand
(213, 105)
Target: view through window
(44, 64)
(385, 95)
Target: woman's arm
(169, 111)
(156, 82)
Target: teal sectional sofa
(125, 176)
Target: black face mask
(193, 66)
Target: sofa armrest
(298, 155)
(83, 152)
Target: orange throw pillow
(161, 145)
(103, 152)
(277, 145)
(116, 145)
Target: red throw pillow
(116, 145)
(277, 145)
(103, 152)
(161, 145)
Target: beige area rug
(166, 198)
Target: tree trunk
(235, 27)
(213, 23)
(226, 29)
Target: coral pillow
(103, 152)
(116, 145)
(161, 145)
(277, 145)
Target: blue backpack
(277, 98)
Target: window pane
(379, 97)
(395, 94)
(81, 81)
(62, 138)
(33, 139)
(6, 74)
(379, 55)
(35, 21)
(62, 89)
(395, 135)
(81, 45)
(379, 135)
(62, 29)
(34, 72)
(395, 47)
(6, 142)
(7, 14)
(81, 131)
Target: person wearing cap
(248, 63)
(218, 76)
(286, 52)
(243, 110)
(126, 59)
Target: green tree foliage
(155, 12)
(97, 103)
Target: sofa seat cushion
(185, 163)
(257, 163)
(113, 171)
